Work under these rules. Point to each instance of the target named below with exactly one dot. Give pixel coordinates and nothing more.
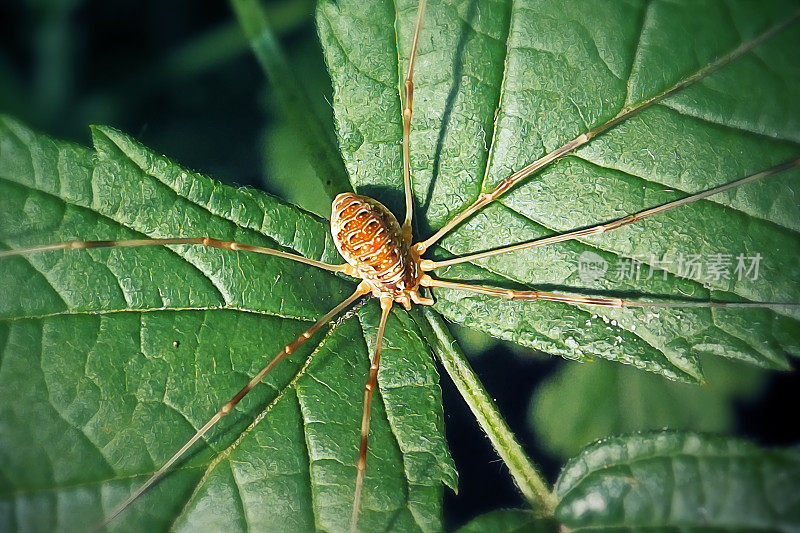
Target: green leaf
(509, 521)
(672, 481)
(98, 388)
(286, 164)
(584, 402)
(499, 84)
(315, 136)
(288, 168)
(112, 357)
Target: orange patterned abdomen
(369, 238)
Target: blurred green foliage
(180, 76)
(585, 402)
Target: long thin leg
(204, 241)
(225, 409)
(580, 140)
(592, 300)
(408, 105)
(614, 224)
(361, 465)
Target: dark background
(180, 77)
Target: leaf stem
(530, 481)
(294, 99)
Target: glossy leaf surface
(499, 84)
(672, 481)
(113, 357)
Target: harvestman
(381, 253)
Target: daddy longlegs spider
(383, 255)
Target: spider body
(373, 243)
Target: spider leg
(614, 224)
(204, 241)
(408, 105)
(225, 409)
(508, 294)
(369, 388)
(485, 198)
